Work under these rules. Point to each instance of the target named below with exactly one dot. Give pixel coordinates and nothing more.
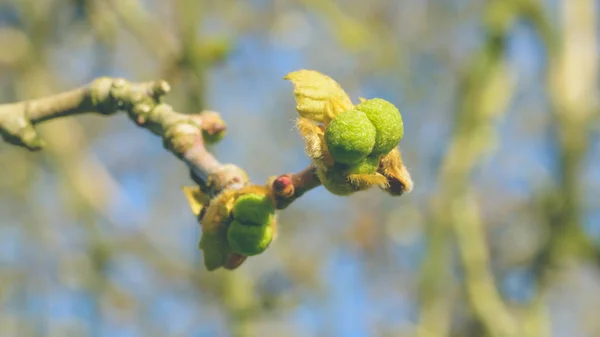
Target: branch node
(101, 95)
(181, 136)
(228, 176)
(161, 88)
(141, 109)
(17, 130)
(213, 127)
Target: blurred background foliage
(500, 237)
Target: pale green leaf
(318, 97)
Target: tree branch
(184, 135)
(486, 91)
(289, 187)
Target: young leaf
(215, 249)
(196, 198)
(318, 97)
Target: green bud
(368, 166)
(249, 239)
(335, 178)
(350, 137)
(387, 121)
(334, 181)
(254, 208)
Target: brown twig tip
(283, 186)
(291, 186)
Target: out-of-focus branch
(149, 31)
(485, 92)
(481, 289)
(572, 79)
(572, 75)
(181, 53)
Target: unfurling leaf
(347, 142)
(314, 140)
(196, 198)
(215, 249)
(318, 97)
(213, 243)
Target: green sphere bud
(368, 166)
(335, 181)
(335, 178)
(387, 121)
(253, 208)
(350, 137)
(249, 239)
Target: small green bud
(387, 121)
(335, 181)
(249, 239)
(350, 137)
(254, 208)
(368, 166)
(335, 178)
